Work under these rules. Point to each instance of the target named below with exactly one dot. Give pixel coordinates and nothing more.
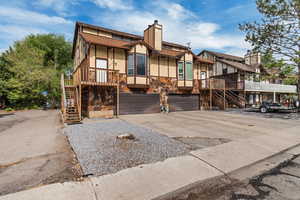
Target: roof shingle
(105, 41)
(238, 65)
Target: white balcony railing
(268, 87)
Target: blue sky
(206, 24)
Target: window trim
(145, 56)
(183, 72)
(135, 64)
(192, 72)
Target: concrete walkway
(174, 175)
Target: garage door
(183, 102)
(139, 103)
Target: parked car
(271, 107)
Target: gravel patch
(100, 152)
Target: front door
(101, 70)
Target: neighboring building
(116, 71)
(246, 77)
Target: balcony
(246, 85)
(86, 75)
(268, 87)
(206, 84)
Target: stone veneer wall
(103, 98)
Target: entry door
(101, 70)
(203, 79)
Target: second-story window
(141, 64)
(180, 71)
(185, 70)
(189, 71)
(130, 64)
(136, 64)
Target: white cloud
(16, 23)
(58, 5)
(8, 14)
(17, 32)
(179, 25)
(113, 4)
(62, 7)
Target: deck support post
(210, 94)
(118, 95)
(224, 100)
(79, 101)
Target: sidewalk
(162, 179)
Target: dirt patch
(201, 142)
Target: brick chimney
(153, 35)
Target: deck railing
(212, 84)
(91, 75)
(235, 85)
(68, 82)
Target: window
(224, 69)
(189, 71)
(180, 71)
(140, 62)
(130, 64)
(101, 73)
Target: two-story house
(244, 76)
(122, 73)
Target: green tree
(278, 32)
(34, 65)
(278, 68)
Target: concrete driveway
(33, 151)
(211, 124)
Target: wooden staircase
(218, 99)
(235, 99)
(72, 111)
(70, 102)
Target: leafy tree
(278, 32)
(278, 69)
(33, 66)
(5, 74)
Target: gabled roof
(204, 60)
(238, 65)
(105, 41)
(172, 53)
(223, 55)
(120, 33)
